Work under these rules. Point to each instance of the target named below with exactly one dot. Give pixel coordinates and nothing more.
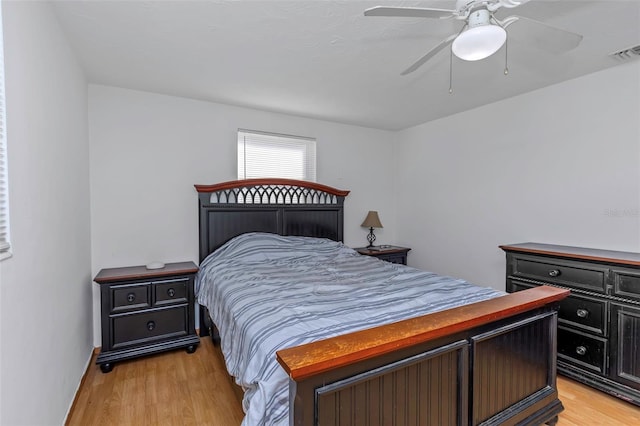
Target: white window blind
(5, 246)
(263, 155)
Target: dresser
(146, 311)
(393, 254)
(599, 323)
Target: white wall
(45, 290)
(560, 165)
(148, 150)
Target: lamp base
(371, 238)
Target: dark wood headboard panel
(279, 206)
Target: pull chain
(451, 61)
(450, 71)
(506, 57)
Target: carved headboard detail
(279, 206)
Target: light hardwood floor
(176, 388)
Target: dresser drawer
(143, 327)
(584, 312)
(170, 292)
(566, 273)
(626, 283)
(129, 297)
(581, 350)
(576, 310)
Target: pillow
(260, 246)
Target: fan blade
(507, 21)
(512, 3)
(420, 62)
(408, 12)
(547, 36)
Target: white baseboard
(75, 395)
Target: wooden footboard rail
(488, 363)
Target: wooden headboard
(279, 206)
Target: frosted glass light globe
(479, 42)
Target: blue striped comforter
(266, 292)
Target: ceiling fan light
(479, 42)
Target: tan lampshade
(372, 220)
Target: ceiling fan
(482, 34)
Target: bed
(490, 360)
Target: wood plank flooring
(176, 388)
(173, 388)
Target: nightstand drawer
(581, 350)
(128, 297)
(392, 254)
(170, 292)
(565, 273)
(399, 258)
(133, 329)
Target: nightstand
(393, 254)
(146, 311)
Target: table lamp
(371, 221)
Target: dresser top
(141, 272)
(581, 253)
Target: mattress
(267, 292)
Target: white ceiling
(325, 59)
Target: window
(5, 247)
(263, 155)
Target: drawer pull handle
(131, 297)
(151, 325)
(554, 273)
(171, 292)
(582, 313)
(581, 350)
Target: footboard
(488, 363)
